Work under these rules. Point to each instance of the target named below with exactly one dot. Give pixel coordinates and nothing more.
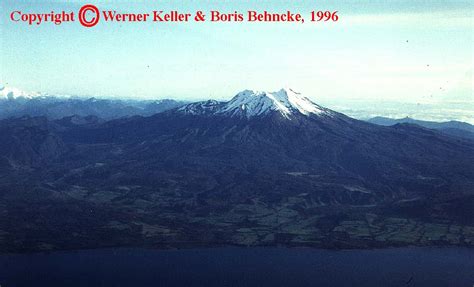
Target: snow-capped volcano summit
(285, 101)
(249, 103)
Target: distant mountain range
(454, 128)
(265, 168)
(16, 103)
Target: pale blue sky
(364, 57)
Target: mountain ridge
(453, 128)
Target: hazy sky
(402, 51)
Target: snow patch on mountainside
(201, 108)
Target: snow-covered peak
(10, 93)
(250, 103)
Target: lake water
(231, 266)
